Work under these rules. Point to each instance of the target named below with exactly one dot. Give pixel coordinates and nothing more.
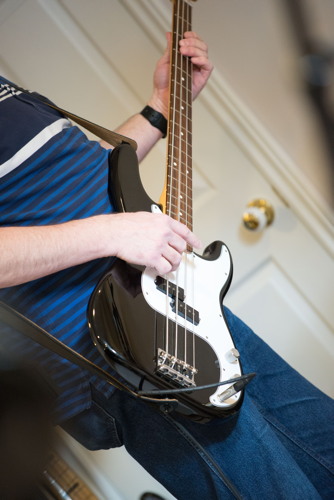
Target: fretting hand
(191, 46)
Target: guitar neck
(179, 157)
(60, 482)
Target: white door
(96, 59)
(283, 276)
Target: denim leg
(277, 447)
(281, 445)
(240, 457)
(300, 414)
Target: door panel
(292, 327)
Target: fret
(186, 196)
(178, 107)
(176, 161)
(178, 115)
(61, 480)
(185, 154)
(179, 120)
(175, 199)
(181, 126)
(178, 178)
(181, 217)
(180, 143)
(180, 205)
(181, 150)
(185, 222)
(181, 146)
(184, 87)
(180, 101)
(182, 139)
(179, 174)
(179, 164)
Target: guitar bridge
(175, 369)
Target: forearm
(140, 129)
(143, 238)
(28, 253)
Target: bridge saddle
(175, 369)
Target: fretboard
(179, 158)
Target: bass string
(180, 161)
(170, 159)
(171, 149)
(178, 72)
(185, 165)
(188, 205)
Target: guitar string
(182, 83)
(182, 71)
(184, 138)
(178, 158)
(190, 179)
(178, 76)
(182, 66)
(170, 159)
(193, 266)
(175, 159)
(190, 155)
(185, 86)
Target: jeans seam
(204, 456)
(111, 419)
(283, 430)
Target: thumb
(166, 55)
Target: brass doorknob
(258, 215)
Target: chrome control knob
(232, 355)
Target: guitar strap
(30, 329)
(112, 138)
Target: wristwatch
(156, 119)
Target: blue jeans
(280, 445)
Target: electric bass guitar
(168, 332)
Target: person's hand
(191, 46)
(151, 240)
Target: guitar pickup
(169, 288)
(185, 311)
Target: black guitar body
(131, 334)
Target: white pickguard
(202, 281)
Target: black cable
(243, 378)
(41, 336)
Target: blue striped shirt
(51, 173)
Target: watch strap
(156, 119)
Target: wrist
(159, 102)
(103, 234)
